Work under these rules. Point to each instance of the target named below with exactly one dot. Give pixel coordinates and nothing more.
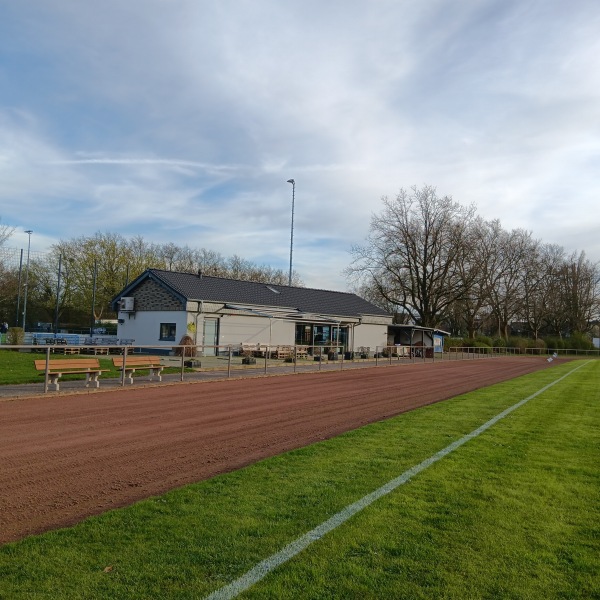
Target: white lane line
(263, 568)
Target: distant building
(160, 307)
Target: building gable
(150, 295)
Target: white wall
(144, 326)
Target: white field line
(263, 568)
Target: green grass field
(513, 513)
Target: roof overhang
(294, 314)
(418, 328)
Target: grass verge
(513, 513)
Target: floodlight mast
(292, 232)
(28, 232)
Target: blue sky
(182, 120)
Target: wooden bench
(59, 367)
(136, 363)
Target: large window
(314, 334)
(167, 332)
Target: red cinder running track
(65, 457)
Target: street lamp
(28, 232)
(292, 233)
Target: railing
(197, 361)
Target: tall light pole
(292, 233)
(28, 232)
(57, 295)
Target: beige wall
(238, 329)
(370, 335)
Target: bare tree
(541, 285)
(414, 253)
(505, 278)
(5, 233)
(470, 310)
(580, 281)
(7, 276)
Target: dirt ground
(63, 458)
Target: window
(167, 331)
(321, 335)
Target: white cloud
(182, 121)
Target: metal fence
(191, 362)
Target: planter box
(192, 364)
(248, 360)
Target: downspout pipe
(199, 311)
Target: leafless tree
(5, 233)
(580, 281)
(470, 310)
(540, 285)
(414, 253)
(505, 278)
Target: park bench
(90, 367)
(137, 363)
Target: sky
(182, 120)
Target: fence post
(229, 362)
(267, 352)
(123, 366)
(183, 351)
(47, 369)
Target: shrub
(499, 342)
(483, 339)
(15, 336)
(450, 342)
(579, 341)
(519, 343)
(189, 348)
(554, 343)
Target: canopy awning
(286, 314)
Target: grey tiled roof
(234, 291)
